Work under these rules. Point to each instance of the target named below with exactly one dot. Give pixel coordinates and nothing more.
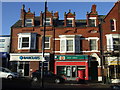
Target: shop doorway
(69, 71)
(23, 68)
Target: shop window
(113, 25)
(68, 71)
(114, 71)
(27, 41)
(28, 22)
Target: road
(28, 84)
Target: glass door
(73, 74)
(68, 71)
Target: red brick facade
(86, 30)
(111, 43)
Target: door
(68, 71)
(23, 68)
(26, 69)
(81, 74)
(73, 74)
(20, 68)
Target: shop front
(26, 63)
(72, 66)
(113, 69)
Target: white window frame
(28, 22)
(109, 38)
(114, 20)
(65, 38)
(94, 38)
(70, 19)
(29, 35)
(48, 42)
(93, 18)
(47, 21)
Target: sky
(11, 10)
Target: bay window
(69, 43)
(113, 42)
(27, 41)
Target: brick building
(111, 43)
(72, 46)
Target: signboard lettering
(29, 57)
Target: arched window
(113, 25)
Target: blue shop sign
(4, 54)
(29, 57)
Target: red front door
(81, 74)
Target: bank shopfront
(74, 66)
(26, 63)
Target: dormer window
(48, 21)
(69, 22)
(28, 22)
(92, 21)
(113, 24)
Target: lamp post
(43, 48)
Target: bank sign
(30, 57)
(26, 58)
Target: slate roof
(59, 23)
